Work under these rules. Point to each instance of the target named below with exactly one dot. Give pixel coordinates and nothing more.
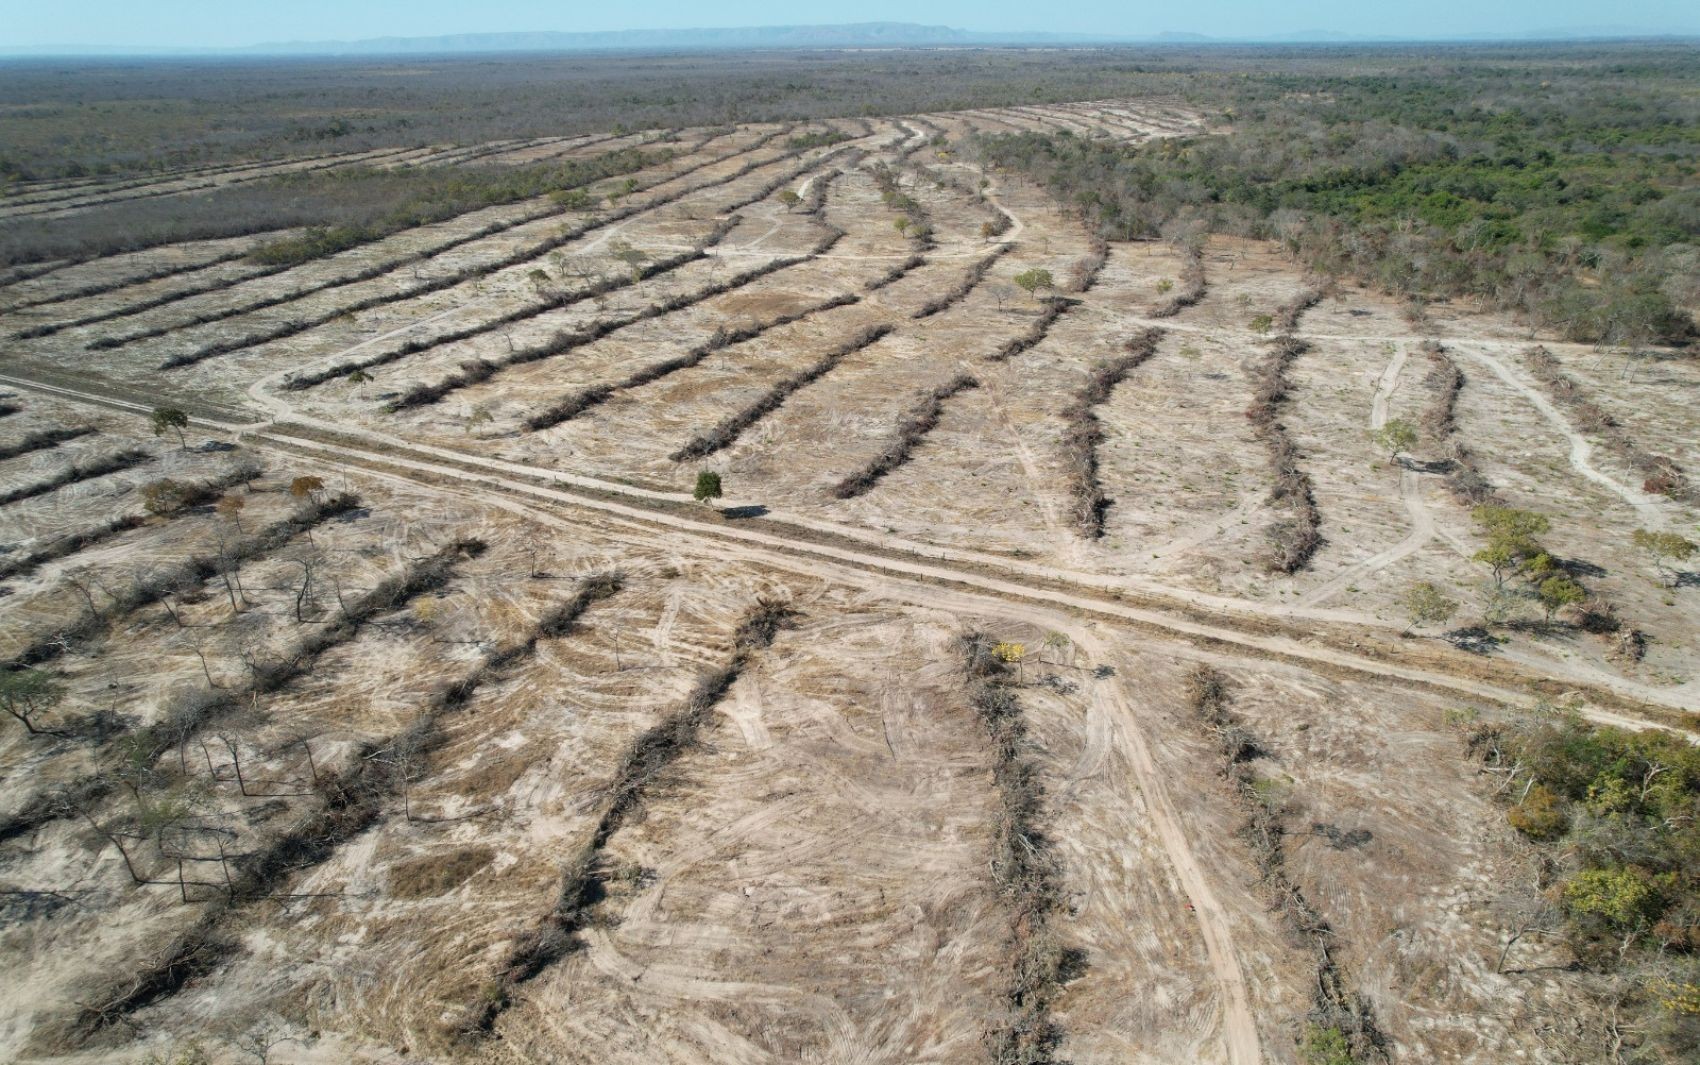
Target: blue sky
(218, 23)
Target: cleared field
(425, 717)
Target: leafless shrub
(554, 302)
(1446, 381)
(1083, 272)
(151, 589)
(1024, 868)
(1055, 308)
(572, 406)
(523, 255)
(1264, 832)
(1463, 478)
(1286, 317)
(68, 545)
(896, 273)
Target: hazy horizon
(199, 25)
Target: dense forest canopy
(1567, 190)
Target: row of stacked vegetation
(329, 210)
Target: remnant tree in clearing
(164, 418)
(707, 487)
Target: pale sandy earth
(811, 881)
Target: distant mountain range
(852, 35)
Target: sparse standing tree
(24, 693)
(230, 509)
(1014, 654)
(1664, 548)
(304, 595)
(1558, 592)
(1395, 436)
(307, 486)
(708, 487)
(164, 496)
(1057, 641)
(632, 257)
(1031, 281)
(164, 418)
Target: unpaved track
(1423, 528)
(772, 542)
(1581, 451)
(1215, 924)
(1113, 722)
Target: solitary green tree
(1558, 592)
(1510, 537)
(789, 198)
(1035, 279)
(1395, 436)
(164, 418)
(708, 487)
(25, 693)
(1664, 548)
(632, 257)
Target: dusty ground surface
(395, 796)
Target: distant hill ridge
(848, 35)
(852, 35)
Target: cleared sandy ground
(811, 876)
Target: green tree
(1395, 436)
(24, 693)
(707, 487)
(1031, 281)
(1558, 592)
(1262, 323)
(632, 257)
(164, 418)
(1427, 604)
(1664, 548)
(1510, 537)
(789, 198)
